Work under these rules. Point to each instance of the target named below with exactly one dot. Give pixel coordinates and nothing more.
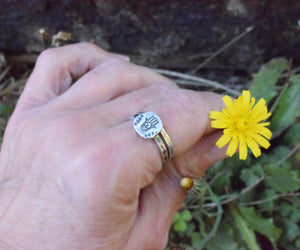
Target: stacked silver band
(149, 126)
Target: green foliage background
(252, 204)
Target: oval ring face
(147, 124)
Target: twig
(289, 155)
(26, 58)
(286, 85)
(216, 225)
(11, 86)
(226, 46)
(295, 70)
(193, 57)
(197, 80)
(252, 203)
(185, 83)
(4, 72)
(216, 177)
(211, 205)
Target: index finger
(56, 69)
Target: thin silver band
(162, 148)
(149, 126)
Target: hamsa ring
(149, 126)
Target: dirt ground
(226, 41)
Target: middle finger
(109, 80)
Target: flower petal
(246, 95)
(226, 112)
(243, 150)
(228, 103)
(260, 140)
(252, 102)
(263, 131)
(217, 115)
(253, 146)
(260, 110)
(224, 139)
(218, 124)
(246, 100)
(264, 124)
(232, 146)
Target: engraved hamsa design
(149, 123)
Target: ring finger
(185, 115)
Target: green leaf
(298, 243)
(190, 229)
(186, 215)
(297, 158)
(246, 232)
(180, 226)
(288, 109)
(282, 180)
(251, 175)
(293, 135)
(291, 229)
(265, 80)
(5, 110)
(295, 215)
(279, 64)
(176, 217)
(266, 194)
(196, 238)
(179, 220)
(274, 156)
(260, 224)
(224, 239)
(295, 79)
(285, 209)
(248, 176)
(221, 181)
(258, 170)
(291, 210)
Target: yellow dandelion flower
(242, 125)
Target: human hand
(74, 174)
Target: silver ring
(149, 126)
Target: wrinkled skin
(73, 172)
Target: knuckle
(92, 48)
(183, 100)
(113, 64)
(88, 45)
(163, 88)
(124, 70)
(48, 56)
(118, 68)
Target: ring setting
(149, 126)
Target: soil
(171, 34)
